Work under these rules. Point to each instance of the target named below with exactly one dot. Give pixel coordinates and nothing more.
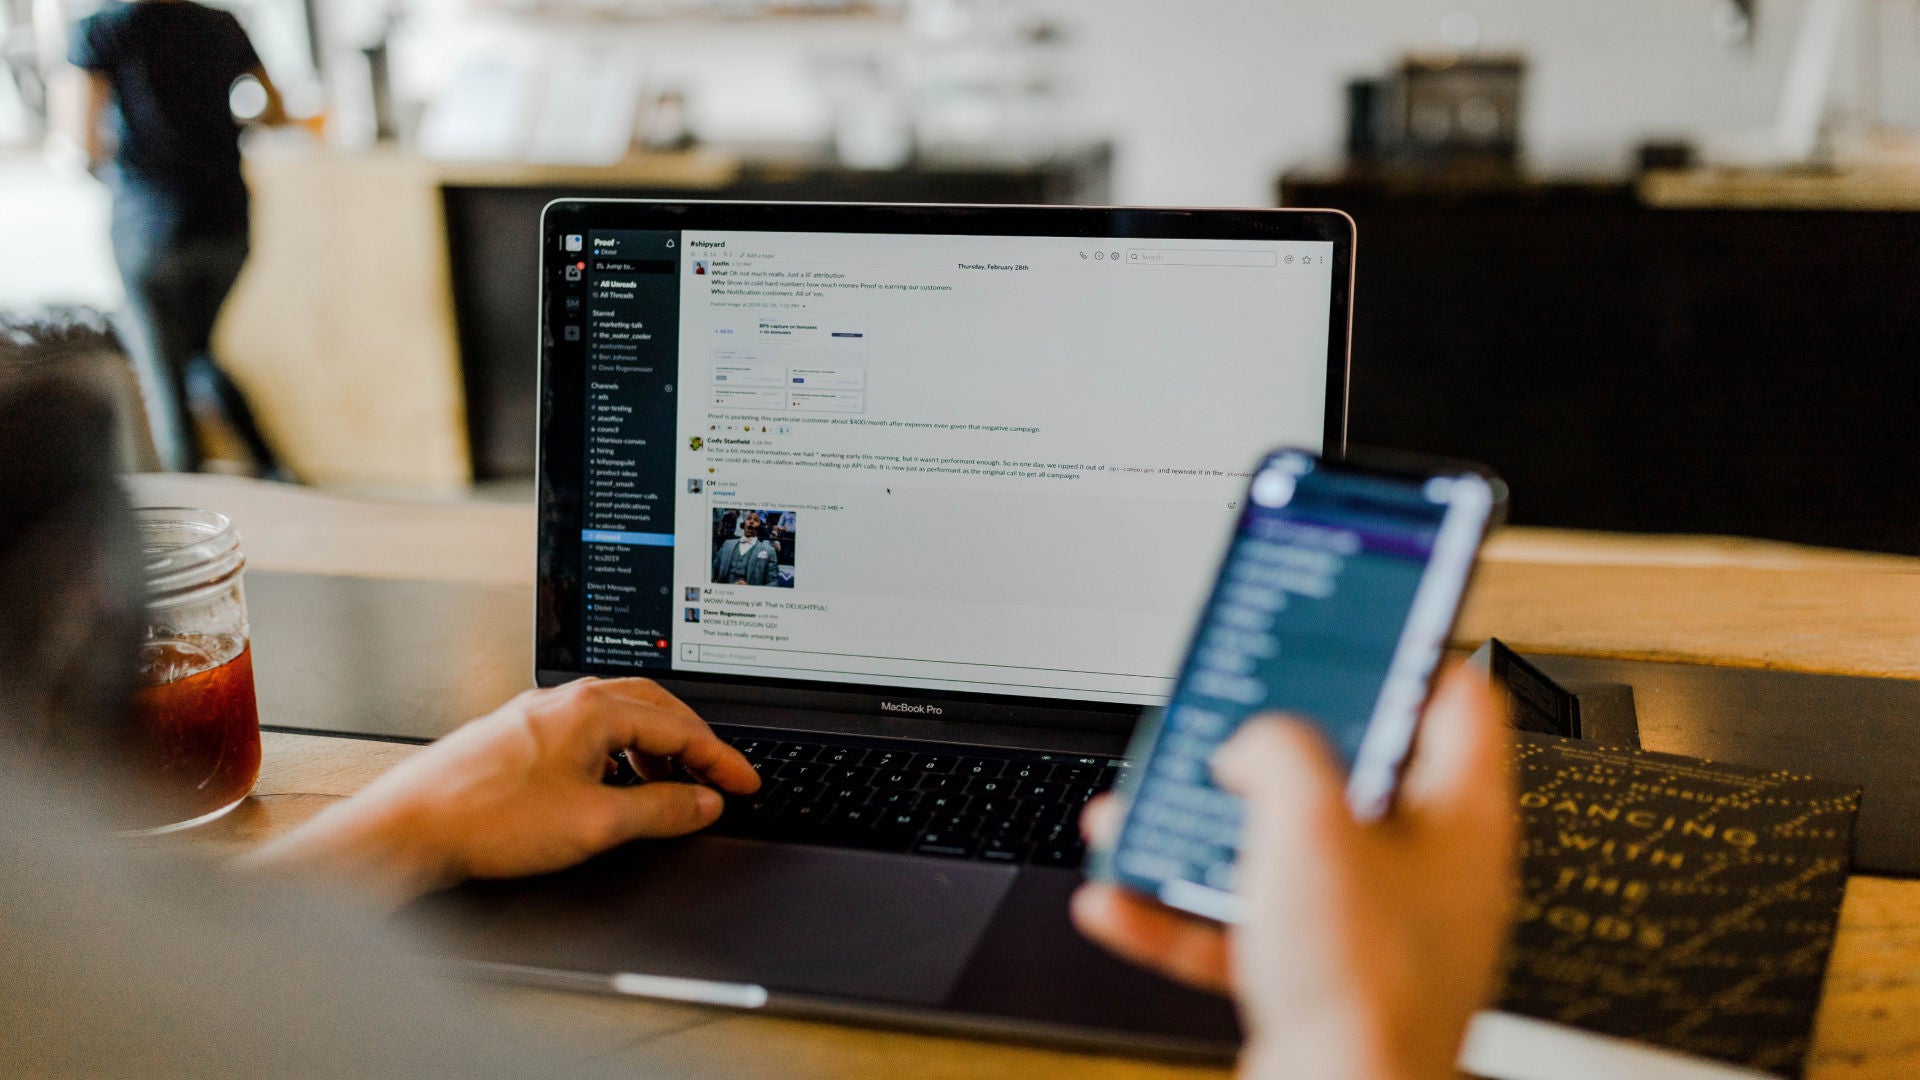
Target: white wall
(1211, 98)
(1207, 100)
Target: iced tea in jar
(195, 726)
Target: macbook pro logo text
(910, 707)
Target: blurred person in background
(156, 121)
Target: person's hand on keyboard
(519, 791)
(1367, 947)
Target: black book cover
(1678, 902)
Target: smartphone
(1337, 595)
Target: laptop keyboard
(951, 802)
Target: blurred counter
(384, 324)
(1689, 351)
(1889, 188)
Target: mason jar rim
(185, 550)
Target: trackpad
(849, 924)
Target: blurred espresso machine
(1439, 110)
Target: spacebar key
(947, 844)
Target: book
(1676, 916)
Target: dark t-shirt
(172, 64)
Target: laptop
(916, 506)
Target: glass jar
(196, 727)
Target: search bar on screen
(1199, 257)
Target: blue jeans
(175, 287)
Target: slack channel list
(631, 286)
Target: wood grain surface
(1705, 599)
(341, 329)
(1883, 187)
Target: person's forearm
(273, 112)
(95, 148)
(99, 95)
(78, 100)
(1291, 1063)
(1327, 1048)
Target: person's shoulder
(226, 18)
(217, 18)
(108, 17)
(113, 11)
(160, 18)
(201, 18)
(193, 9)
(96, 44)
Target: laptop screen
(949, 463)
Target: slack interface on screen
(628, 312)
(959, 463)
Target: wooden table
(1710, 600)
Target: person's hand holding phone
(1365, 947)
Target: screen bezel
(562, 405)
